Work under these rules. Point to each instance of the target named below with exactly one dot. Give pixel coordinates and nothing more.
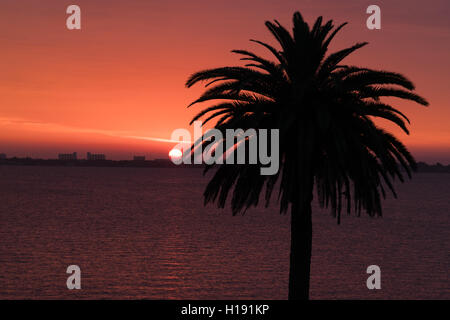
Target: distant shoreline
(157, 163)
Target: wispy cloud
(54, 127)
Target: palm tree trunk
(301, 244)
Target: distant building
(2, 156)
(139, 158)
(67, 156)
(91, 156)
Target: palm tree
(329, 141)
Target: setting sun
(175, 153)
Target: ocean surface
(143, 233)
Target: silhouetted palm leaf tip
(325, 112)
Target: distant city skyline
(110, 154)
(76, 156)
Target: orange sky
(123, 74)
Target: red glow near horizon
(117, 86)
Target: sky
(117, 85)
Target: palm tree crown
(324, 111)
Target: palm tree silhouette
(328, 139)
